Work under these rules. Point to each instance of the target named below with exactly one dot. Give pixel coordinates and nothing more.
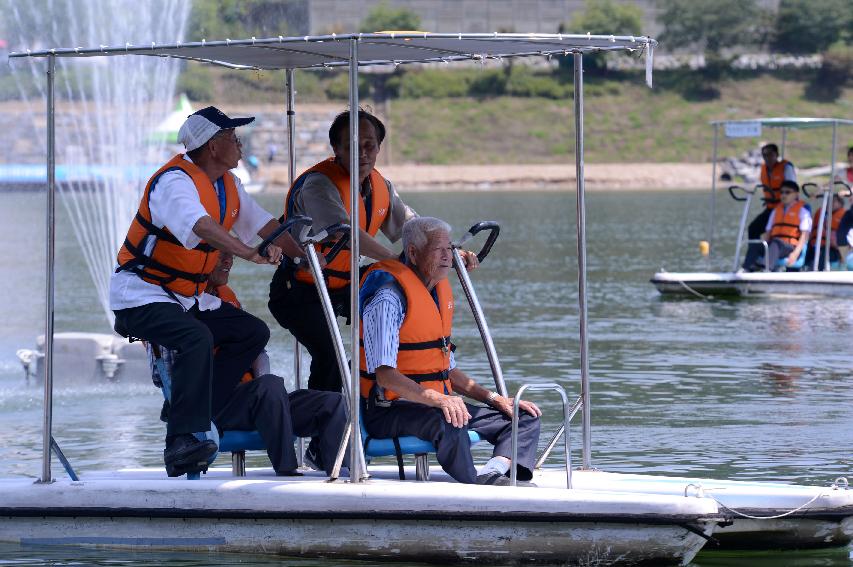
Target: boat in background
(833, 281)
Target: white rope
(788, 513)
(694, 292)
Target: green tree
(240, 19)
(811, 26)
(602, 17)
(711, 25)
(385, 18)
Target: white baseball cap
(201, 126)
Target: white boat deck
(835, 283)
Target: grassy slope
(634, 124)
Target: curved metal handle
(846, 186)
(732, 189)
(764, 188)
(295, 220)
(806, 192)
(494, 230)
(341, 243)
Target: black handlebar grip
(732, 192)
(263, 247)
(341, 243)
(494, 230)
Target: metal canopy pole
(828, 220)
(49, 265)
(784, 141)
(357, 470)
(713, 193)
(581, 222)
(291, 172)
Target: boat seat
(409, 445)
(849, 261)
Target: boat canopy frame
(785, 124)
(351, 51)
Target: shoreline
(528, 177)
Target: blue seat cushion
(231, 441)
(801, 261)
(408, 445)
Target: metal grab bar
(763, 243)
(566, 418)
(553, 442)
(743, 217)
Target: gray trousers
(453, 448)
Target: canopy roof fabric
(790, 122)
(385, 48)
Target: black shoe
(186, 454)
(497, 479)
(288, 473)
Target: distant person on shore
(260, 402)
(773, 173)
(816, 239)
(787, 229)
(187, 213)
(323, 193)
(409, 376)
(272, 150)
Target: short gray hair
(416, 231)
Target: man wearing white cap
(187, 214)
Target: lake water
(756, 389)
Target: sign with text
(743, 129)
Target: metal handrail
(566, 418)
(747, 202)
(763, 243)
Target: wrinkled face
(788, 195)
(226, 147)
(368, 148)
(770, 156)
(219, 275)
(434, 260)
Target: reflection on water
(744, 389)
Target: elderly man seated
(408, 372)
(260, 402)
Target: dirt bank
(609, 176)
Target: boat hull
(437, 522)
(699, 284)
(790, 516)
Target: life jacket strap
(427, 377)
(140, 259)
(168, 236)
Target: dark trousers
(239, 336)
(754, 231)
(834, 256)
(263, 404)
(296, 306)
(453, 448)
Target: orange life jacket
(369, 218)
(773, 182)
(424, 353)
(786, 225)
(833, 226)
(169, 264)
(226, 294)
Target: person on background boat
(409, 377)
(773, 173)
(838, 212)
(323, 193)
(787, 229)
(847, 175)
(260, 402)
(187, 213)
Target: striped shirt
(382, 318)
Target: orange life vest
(226, 294)
(833, 226)
(369, 218)
(169, 264)
(773, 182)
(786, 225)
(424, 353)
